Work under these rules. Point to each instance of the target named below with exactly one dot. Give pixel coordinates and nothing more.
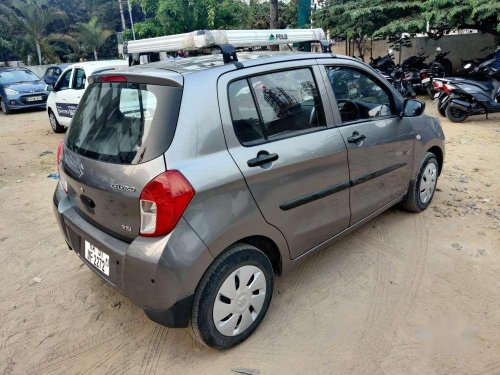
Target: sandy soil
(407, 293)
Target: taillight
(423, 75)
(59, 153)
(437, 85)
(448, 88)
(162, 203)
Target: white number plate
(425, 80)
(98, 258)
(34, 98)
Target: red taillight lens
(447, 88)
(423, 75)
(162, 203)
(59, 153)
(113, 79)
(437, 85)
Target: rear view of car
(21, 89)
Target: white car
(69, 88)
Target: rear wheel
(54, 124)
(233, 297)
(441, 110)
(421, 190)
(4, 108)
(456, 114)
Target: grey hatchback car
(189, 184)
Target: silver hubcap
(52, 120)
(239, 300)
(428, 182)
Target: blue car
(53, 72)
(21, 89)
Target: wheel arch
(436, 150)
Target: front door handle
(356, 137)
(263, 157)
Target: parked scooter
(440, 66)
(402, 82)
(384, 64)
(472, 97)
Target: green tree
(91, 35)
(34, 20)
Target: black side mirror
(413, 108)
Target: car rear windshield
(124, 123)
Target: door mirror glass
(413, 108)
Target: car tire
(422, 189)
(456, 115)
(54, 124)
(4, 107)
(232, 297)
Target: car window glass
(64, 81)
(79, 79)
(244, 113)
(288, 101)
(358, 96)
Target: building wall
(461, 46)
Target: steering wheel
(350, 110)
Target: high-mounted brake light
(113, 79)
(162, 203)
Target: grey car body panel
(293, 175)
(153, 272)
(116, 210)
(232, 201)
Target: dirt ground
(405, 294)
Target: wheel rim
(52, 120)
(428, 182)
(239, 300)
(456, 112)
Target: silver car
(188, 185)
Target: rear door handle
(263, 157)
(356, 137)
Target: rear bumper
(158, 274)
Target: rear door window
(124, 123)
(275, 105)
(79, 79)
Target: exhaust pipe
(461, 104)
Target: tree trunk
(38, 52)
(124, 25)
(95, 54)
(273, 19)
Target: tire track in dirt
(153, 352)
(67, 354)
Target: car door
(74, 94)
(379, 142)
(61, 93)
(279, 130)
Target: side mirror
(413, 108)
(49, 87)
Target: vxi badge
(123, 187)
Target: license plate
(34, 98)
(436, 95)
(98, 258)
(425, 80)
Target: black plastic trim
(176, 316)
(379, 173)
(314, 196)
(308, 198)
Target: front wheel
(456, 114)
(233, 297)
(422, 189)
(4, 107)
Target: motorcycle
(472, 97)
(384, 64)
(440, 66)
(401, 80)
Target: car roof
(199, 63)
